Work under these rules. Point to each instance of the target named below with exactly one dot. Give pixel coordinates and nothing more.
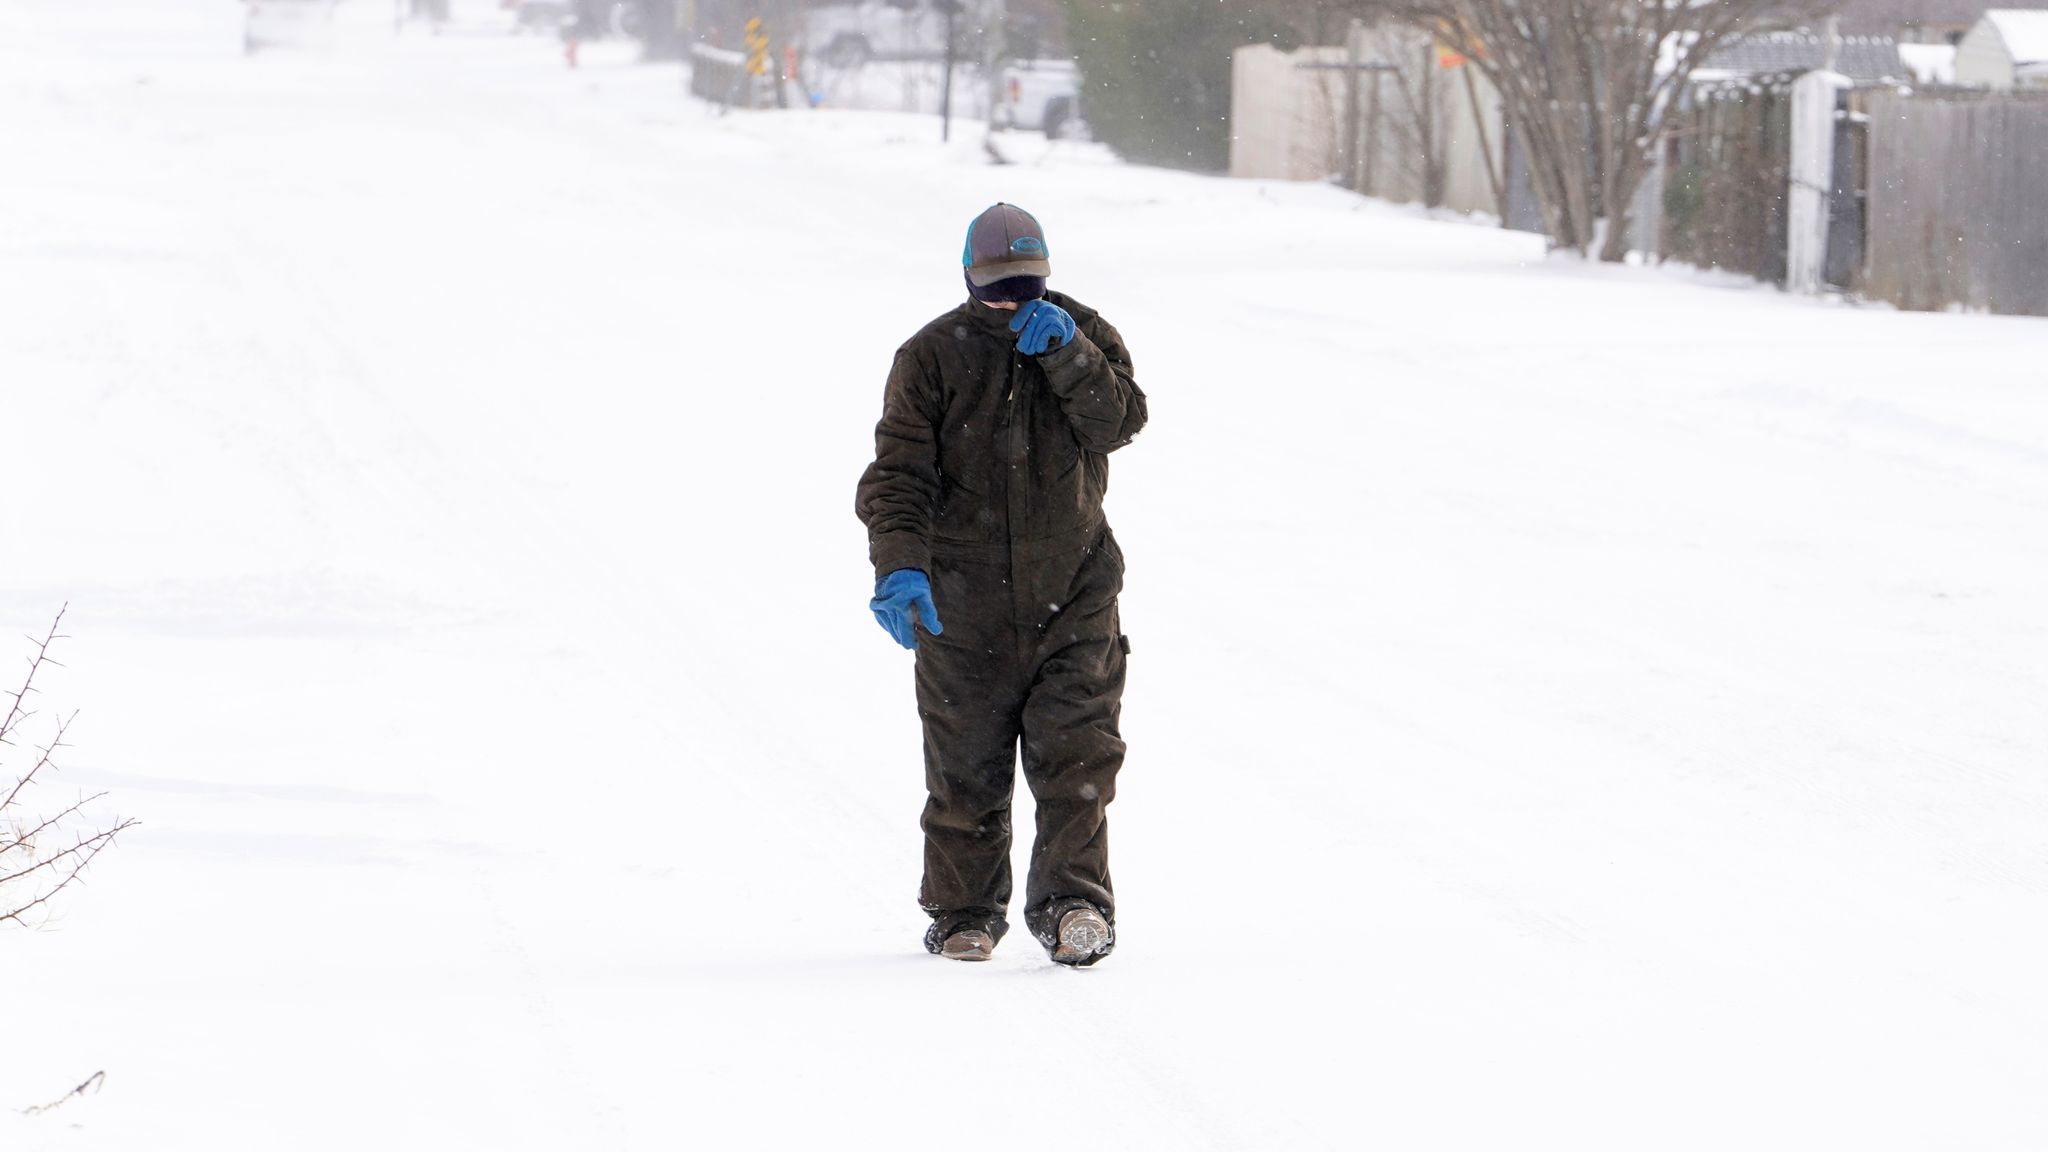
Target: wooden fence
(1726, 165)
(1958, 201)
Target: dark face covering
(1015, 290)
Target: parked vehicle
(850, 35)
(293, 23)
(1041, 95)
(539, 15)
(587, 19)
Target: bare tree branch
(30, 876)
(21, 784)
(1584, 85)
(92, 1084)
(26, 837)
(80, 855)
(14, 713)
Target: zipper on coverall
(1013, 453)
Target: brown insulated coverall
(990, 468)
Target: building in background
(1286, 113)
(1913, 21)
(1390, 114)
(2007, 49)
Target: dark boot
(972, 930)
(1084, 937)
(968, 944)
(1074, 932)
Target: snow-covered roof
(1930, 63)
(2025, 32)
(1885, 16)
(1771, 53)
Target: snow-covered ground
(1571, 707)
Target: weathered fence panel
(1726, 173)
(1958, 201)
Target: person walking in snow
(994, 563)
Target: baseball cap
(1002, 242)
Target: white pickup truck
(848, 36)
(1041, 95)
(288, 23)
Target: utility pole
(1432, 153)
(995, 27)
(1357, 68)
(952, 10)
(1354, 58)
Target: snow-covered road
(1625, 691)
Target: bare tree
(41, 856)
(1585, 83)
(1413, 124)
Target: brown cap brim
(984, 276)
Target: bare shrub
(41, 855)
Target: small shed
(2006, 49)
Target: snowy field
(1577, 708)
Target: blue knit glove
(902, 600)
(1042, 326)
